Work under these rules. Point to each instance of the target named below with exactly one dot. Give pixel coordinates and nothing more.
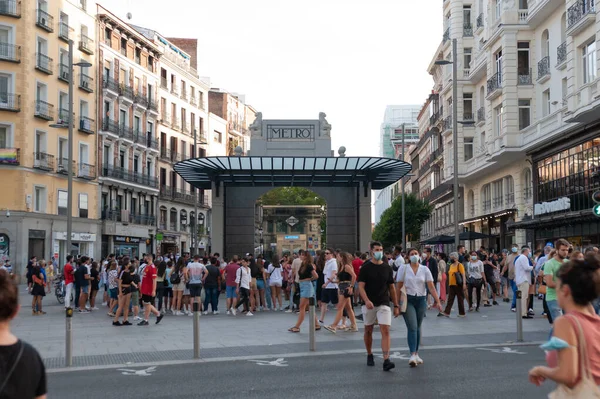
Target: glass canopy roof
(292, 171)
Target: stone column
(217, 232)
(364, 217)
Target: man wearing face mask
(523, 268)
(432, 265)
(376, 288)
(551, 268)
(509, 265)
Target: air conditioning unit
(43, 21)
(84, 83)
(125, 216)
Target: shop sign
(82, 237)
(169, 239)
(292, 221)
(560, 204)
(292, 237)
(495, 231)
(127, 240)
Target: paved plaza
(97, 343)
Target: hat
(248, 254)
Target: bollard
(196, 330)
(69, 337)
(311, 329)
(519, 319)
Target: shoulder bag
(403, 298)
(586, 388)
(458, 276)
(12, 369)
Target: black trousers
(477, 285)
(244, 298)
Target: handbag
(13, 367)
(403, 298)
(586, 388)
(542, 289)
(458, 277)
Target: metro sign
(292, 221)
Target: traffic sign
(596, 197)
(292, 221)
(596, 210)
(159, 236)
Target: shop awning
(292, 171)
(488, 216)
(557, 220)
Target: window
(218, 137)
(468, 52)
(123, 46)
(523, 61)
(546, 103)
(62, 152)
(524, 114)
(83, 205)
(5, 138)
(39, 199)
(466, 15)
(468, 107)
(5, 90)
(150, 129)
(107, 36)
(497, 193)
(499, 66)
(123, 118)
(40, 142)
(545, 43)
(589, 62)
(498, 9)
(468, 148)
(498, 113)
(62, 202)
(527, 183)
(83, 4)
(138, 55)
(564, 91)
(137, 124)
(482, 143)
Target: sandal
(353, 328)
(317, 328)
(330, 329)
(294, 330)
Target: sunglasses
(327, 253)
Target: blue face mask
(378, 255)
(514, 250)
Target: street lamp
(69, 125)
(455, 123)
(260, 231)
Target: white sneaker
(233, 312)
(216, 312)
(228, 311)
(192, 314)
(413, 361)
(419, 360)
(205, 312)
(104, 303)
(137, 318)
(249, 314)
(95, 308)
(289, 311)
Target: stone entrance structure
(291, 153)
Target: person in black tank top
(346, 279)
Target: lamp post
(195, 235)
(455, 123)
(260, 232)
(69, 125)
(403, 197)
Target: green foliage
(389, 228)
(291, 196)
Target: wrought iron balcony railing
(10, 102)
(446, 36)
(467, 30)
(44, 110)
(10, 52)
(43, 161)
(494, 83)
(43, 63)
(45, 20)
(544, 67)
(86, 83)
(561, 53)
(87, 125)
(480, 21)
(63, 31)
(481, 114)
(579, 10)
(524, 76)
(86, 44)
(10, 8)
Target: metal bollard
(69, 337)
(519, 319)
(196, 330)
(311, 318)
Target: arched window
(163, 218)
(486, 198)
(563, 28)
(183, 220)
(173, 219)
(509, 189)
(545, 43)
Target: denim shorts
(85, 289)
(260, 284)
(114, 293)
(230, 292)
(306, 289)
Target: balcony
(10, 52)
(111, 87)
(467, 30)
(185, 127)
(63, 116)
(126, 132)
(146, 140)
(86, 83)
(494, 86)
(118, 215)
(174, 90)
(561, 56)
(119, 173)
(163, 83)
(481, 116)
(479, 22)
(434, 118)
(64, 31)
(175, 123)
(63, 73)
(202, 138)
(10, 102)
(523, 15)
(126, 92)
(111, 126)
(43, 161)
(140, 101)
(468, 117)
(152, 106)
(63, 166)
(446, 36)
(447, 124)
(524, 77)
(165, 153)
(45, 20)
(87, 171)
(87, 125)
(145, 220)
(10, 156)
(184, 196)
(43, 63)
(86, 45)
(544, 70)
(202, 104)
(10, 8)
(580, 15)
(44, 110)
(183, 95)
(193, 100)
(439, 191)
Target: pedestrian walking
(345, 280)
(161, 285)
(148, 290)
(330, 287)
(125, 283)
(456, 286)
(551, 268)
(443, 276)
(306, 275)
(475, 279)
(195, 275)
(574, 350)
(523, 268)
(242, 279)
(69, 276)
(22, 372)
(230, 284)
(38, 290)
(50, 272)
(416, 279)
(376, 285)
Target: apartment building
(128, 114)
(183, 113)
(34, 78)
(239, 116)
(527, 80)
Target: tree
(389, 229)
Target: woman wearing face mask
(476, 279)
(455, 290)
(417, 279)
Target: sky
(293, 59)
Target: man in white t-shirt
(329, 294)
(195, 273)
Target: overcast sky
(293, 59)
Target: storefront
(564, 178)
(168, 244)
(81, 244)
(127, 246)
(495, 226)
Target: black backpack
(175, 278)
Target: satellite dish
(129, 16)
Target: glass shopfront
(580, 235)
(573, 173)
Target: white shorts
(382, 314)
(275, 283)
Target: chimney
(190, 46)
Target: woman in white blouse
(416, 279)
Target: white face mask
(414, 259)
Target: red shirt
(150, 274)
(68, 271)
(231, 270)
(356, 264)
